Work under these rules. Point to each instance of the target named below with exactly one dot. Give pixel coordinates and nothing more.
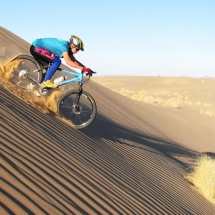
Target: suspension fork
(80, 90)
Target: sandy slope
(130, 160)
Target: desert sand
(131, 160)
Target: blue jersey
(54, 45)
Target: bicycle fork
(76, 107)
(80, 90)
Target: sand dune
(197, 94)
(130, 160)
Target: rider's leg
(44, 57)
(52, 69)
(55, 64)
(38, 54)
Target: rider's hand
(90, 73)
(85, 69)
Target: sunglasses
(75, 47)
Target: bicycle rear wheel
(28, 72)
(81, 114)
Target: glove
(90, 73)
(85, 69)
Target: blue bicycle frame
(78, 77)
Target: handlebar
(89, 75)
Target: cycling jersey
(54, 45)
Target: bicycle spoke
(28, 74)
(80, 114)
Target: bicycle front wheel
(27, 73)
(81, 113)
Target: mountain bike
(75, 105)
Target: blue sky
(125, 37)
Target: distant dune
(196, 94)
(131, 160)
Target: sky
(124, 37)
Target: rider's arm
(71, 61)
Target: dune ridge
(130, 160)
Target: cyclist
(50, 50)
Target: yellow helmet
(77, 42)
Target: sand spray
(46, 104)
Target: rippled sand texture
(131, 160)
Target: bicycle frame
(78, 77)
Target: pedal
(43, 91)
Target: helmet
(77, 42)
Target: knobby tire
(87, 109)
(29, 64)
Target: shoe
(49, 84)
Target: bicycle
(76, 105)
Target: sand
(196, 94)
(131, 160)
